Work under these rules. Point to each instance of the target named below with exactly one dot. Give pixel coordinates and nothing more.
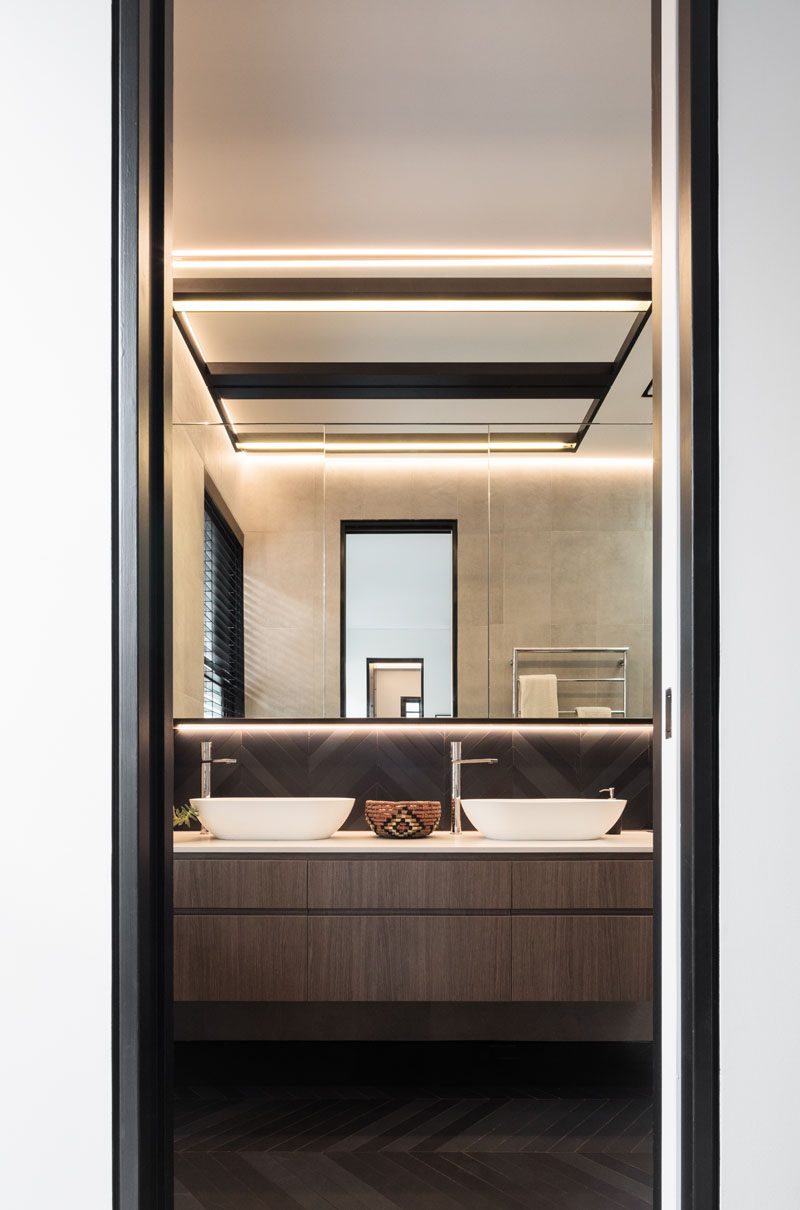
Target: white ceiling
(474, 124)
(250, 413)
(413, 336)
(412, 123)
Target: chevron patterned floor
(411, 1147)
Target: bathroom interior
(412, 464)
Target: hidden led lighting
(405, 258)
(424, 446)
(408, 305)
(443, 724)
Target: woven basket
(403, 820)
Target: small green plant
(183, 816)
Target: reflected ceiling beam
(411, 380)
(635, 331)
(376, 289)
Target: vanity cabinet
(240, 957)
(409, 884)
(208, 883)
(425, 958)
(595, 958)
(528, 929)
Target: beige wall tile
(569, 559)
(283, 674)
(521, 496)
(473, 671)
(282, 496)
(622, 571)
(601, 498)
(473, 579)
(187, 570)
(283, 579)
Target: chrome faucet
(206, 762)
(456, 761)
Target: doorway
(145, 1069)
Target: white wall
(55, 501)
(760, 516)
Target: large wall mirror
(419, 513)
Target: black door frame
(141, 317)
(393, 527)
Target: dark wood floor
(473, 1143)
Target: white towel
(538, 696)
(593, 711)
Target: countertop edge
(364, 844)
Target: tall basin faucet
(456, 761)
(206, 761)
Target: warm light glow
(281, 447)
(193, 336)
(580, 461)
(405, 258)
(394, 447)
(444, 724)
(401, 462)
(226, 413)
(410, 305)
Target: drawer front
(440, 958)
(409, 885)
(222, 882)
(240, 957)
(582, 958)
(592, 885)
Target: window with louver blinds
(223, 618)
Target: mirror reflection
(459, 525)
(398, 619)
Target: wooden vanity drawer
(222, 882)
(409, 885)
(240, 958)
(594, 958)
(574, 885)
(437, 958)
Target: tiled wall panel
(399, 763)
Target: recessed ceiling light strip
(406, 258)
(409, 305)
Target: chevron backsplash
(396, 764)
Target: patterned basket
(403, 820)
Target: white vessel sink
(543, 818)
(273, 818)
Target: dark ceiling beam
(377, 288)
(634, 332)
(411, 380)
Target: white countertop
(468, 843)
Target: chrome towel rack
(620, 655)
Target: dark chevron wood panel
(546, 763)
(373, 1148)
(414, 763)
(622, 758)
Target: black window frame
(223, 616)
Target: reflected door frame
(393, 527)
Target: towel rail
(622, 662)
